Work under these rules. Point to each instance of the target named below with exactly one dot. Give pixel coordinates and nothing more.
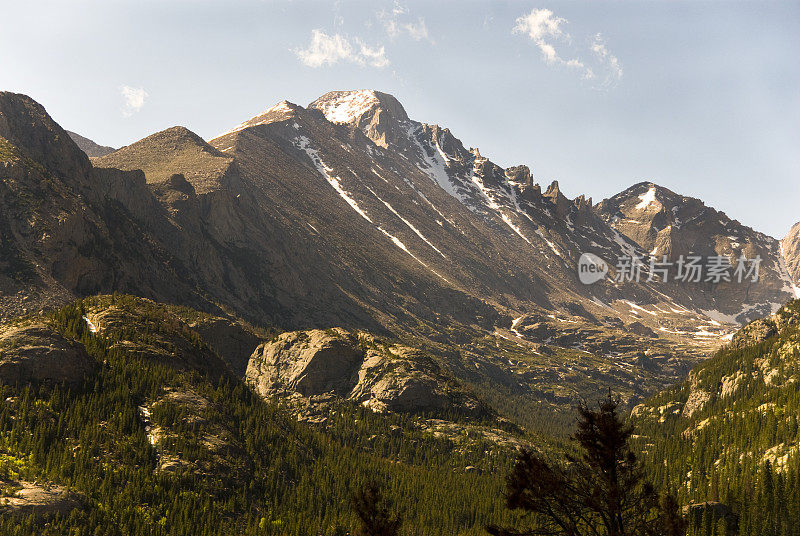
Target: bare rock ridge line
(190, 178)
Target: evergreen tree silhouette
(603, 492)
(374, 513)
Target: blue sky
(701, 97)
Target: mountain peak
(174, 150)
(25, 124)
(554, 194)
(280, 112)
(351, 106)
(168, 140)
(649, 189)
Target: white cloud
(396, 23)
(607, 60)
(539, 24)
(134, 99)
(549, 53)
(327, 49)
(544, 28)
(418, 31)
(390, 23)
(373, 56)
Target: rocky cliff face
(790, 249)
(355, 366)
(67, 228)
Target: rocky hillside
(169, 152)
(733, 424)
(68, 228)
(116, 400)
(89, 147)
(316, 370)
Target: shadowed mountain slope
(89, 147)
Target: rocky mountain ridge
(348, 213)
(671, 226)
(162, 411)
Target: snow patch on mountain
(627, 247)
(327, 172)
(90, 325)
(408, 223)
(270, 115)
(399, 243)
(487, 194)
(419, 193)
(549, 243)
(636, 307)
(349, 107)
(437, 168)
(514, 327)
(514, 228)
(722, 317)
(647, 198)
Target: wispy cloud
(375, 57)
(542, 25)
(546, 30)
(398, 22)
(134, 99)
(327, 49)
(609, 61)
(417, 30)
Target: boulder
(307, 362)
(324, 365)
(35, 352)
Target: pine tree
(374, 513)
(602, 493)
